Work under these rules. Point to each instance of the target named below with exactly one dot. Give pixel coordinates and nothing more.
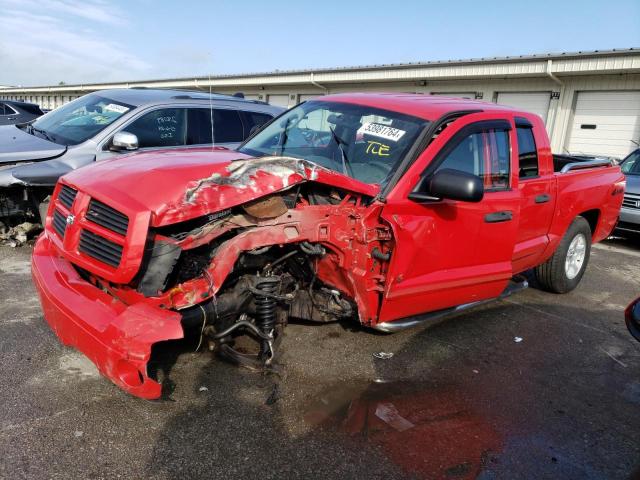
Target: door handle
(497, 217)
(544, 198)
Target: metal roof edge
(346, 69)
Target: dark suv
(12, 112)
(110, 123)
(630, 211)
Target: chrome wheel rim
(575, 256)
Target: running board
(515, 285)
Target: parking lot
(535, 386)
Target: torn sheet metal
(245, 173)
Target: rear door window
(254, 120)
(527, 153)
(165, 127)
(198, 126)
(227, 126)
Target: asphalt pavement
(534, 386)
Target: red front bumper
(116, 337)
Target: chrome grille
(59, 223)
(631, 200)
(107, 217)
(100, 248)
(67, 195)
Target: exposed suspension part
(265, 300)
(246, 320)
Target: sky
(44, 42)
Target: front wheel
(563, 271)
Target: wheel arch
(592, 217)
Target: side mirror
(124, 141)
(451, 184)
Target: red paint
(430, 433)
(116, 337)
(443, 253)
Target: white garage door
(605, 123)
(534, 102)
(279, 100)
(306, 97)
(470, 95)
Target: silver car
(110, 123)
(630, 211)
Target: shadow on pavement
(463, 399)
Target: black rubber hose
(242, 323)
(218, 307)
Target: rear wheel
(563, 271)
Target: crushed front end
(241, 253)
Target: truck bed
(560, 161)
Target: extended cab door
(537, 186)
(450, 252)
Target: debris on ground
(388, 413)
(18, 235)
(517, 339)
(383, 355)
(203, 389)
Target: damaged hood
(17, 145)
(178, 185)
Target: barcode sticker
(116, 108)
(382, 131)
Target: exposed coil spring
(266, 304)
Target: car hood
(16, 145)
(633, 184)
(178, 185)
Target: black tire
(552, 274)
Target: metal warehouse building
(590, 101)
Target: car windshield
(79, 120)
(631, 166)
(362, 142)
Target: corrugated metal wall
(486, 81)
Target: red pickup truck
(387, 209)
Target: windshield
(631, 166)
(79, 120)
(362, 142)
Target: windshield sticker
(382, 131)
(116, 108)
(377, 148)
